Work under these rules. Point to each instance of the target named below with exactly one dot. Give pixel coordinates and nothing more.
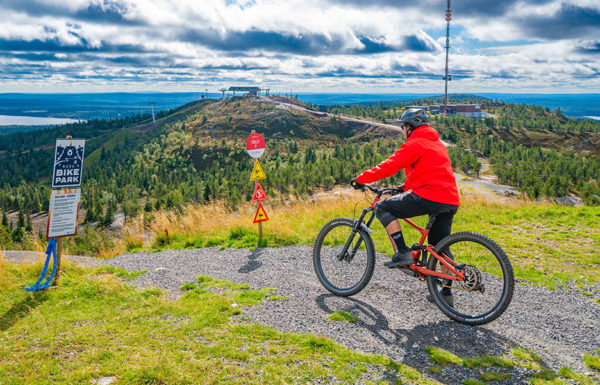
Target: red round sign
(255, 145)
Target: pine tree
(21, 220)
(109, 216)
(28, 224)
(4, 219)
(206, 194)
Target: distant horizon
(301, 93)
(108, 105)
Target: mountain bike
(472, 266)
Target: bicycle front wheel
(487, 289)
(343, 274)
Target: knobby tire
(507, 278)
(318, 254)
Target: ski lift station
(249, 91)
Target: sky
(330, 46)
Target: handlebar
(379, 191)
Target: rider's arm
(404, 157)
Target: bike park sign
(68, 163)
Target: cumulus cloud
(348, 45)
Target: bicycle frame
(417, 249)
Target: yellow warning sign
(261, 214)
(257, 172)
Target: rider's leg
(394, 231)
(441, 228)
(388, 211)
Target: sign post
(67, 171)
(64, 205)
(255, 145)
(64, 202)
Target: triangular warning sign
(261, 214)
(259, 193)
(257, 172)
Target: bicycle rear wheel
(346, 274)
(488, 287)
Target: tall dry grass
(292, 219)
(134, 233)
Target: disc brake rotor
(472, 279)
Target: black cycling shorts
(408, 205)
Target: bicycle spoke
(344, 263)
(486, 289)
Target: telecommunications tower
(447, 76)
(152, 105)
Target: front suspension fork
(358, 224)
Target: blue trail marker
(50, 250)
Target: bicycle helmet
(415, 117)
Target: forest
(200, 156)
(541, 152)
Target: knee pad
(383, 215)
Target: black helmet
(415, 116)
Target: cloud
(335, 44)
(304, 43)
(568, 21)
(110, 12)
(99, 11)
(591, 46)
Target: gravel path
(394, 317)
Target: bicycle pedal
(408, 271)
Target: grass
(342, 316)
(471, 381)
(278, 297)
(442, 357)
(525, 354)
(119, 272)
(95, 325)
(573, 375)
(524, 358)
(495, 376)
(554, 381)
(592, 361)
(488, 362)
(188, 286)
(436, 370)
(545, 374)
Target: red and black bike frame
(418, 267)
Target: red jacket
(427, 166)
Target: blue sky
(539, 46)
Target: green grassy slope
(95, 326)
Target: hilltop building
(467, 110)
(249, 91)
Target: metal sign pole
(59, 248)
(260, 230)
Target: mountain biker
(430, 187)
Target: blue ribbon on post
(50, 251)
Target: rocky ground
(394, 318)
